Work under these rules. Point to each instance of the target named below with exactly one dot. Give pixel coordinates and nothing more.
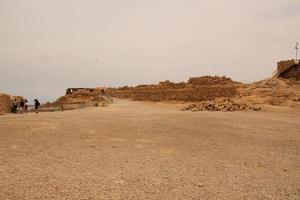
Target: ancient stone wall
(71, 90)
(78, 95)
(164, 94)
(196, 89)
(284, 65)
(210, 80)
(292, 73)
(5, 103)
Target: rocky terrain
(150, 150)
(271, 91)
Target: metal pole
(297, 52)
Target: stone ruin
(5, 103)
(72, 90)
(288, 69)
(196, 89)
(278, 90)
(84, 96)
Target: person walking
(21, 106)
(15, 106)
(36, 105)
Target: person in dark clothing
(25, 106)
(15, 106)
(21, 106)
(36, 105)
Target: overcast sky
(49, 45)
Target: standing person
(25, 106)
(15, 106)
(21, 106)
(62, 107)
(36, 105)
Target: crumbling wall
(79, 95)
(5, 103)
(186, 94)
(72, 90)
(196, 89)
(284, 65)
(87, 96)
(292, 73)
(211, 80)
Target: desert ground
(144, 150)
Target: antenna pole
(297, 52)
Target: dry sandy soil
(140, 150)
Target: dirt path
(138, 150)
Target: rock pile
(223, 105)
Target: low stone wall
(72, 90)
(164, 94)
(196, 89)
(210, 80)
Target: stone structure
(292, 73)
(71, 90)
(5, 103)
(85, 96)
(288, 69)
(196, 89)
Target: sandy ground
(140, 150)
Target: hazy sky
(49, 45)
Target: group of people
(22, 106)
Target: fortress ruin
(288, 69)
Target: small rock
(119, 182)
(200, 184)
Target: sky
(47, 46)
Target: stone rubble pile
(224, 105)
